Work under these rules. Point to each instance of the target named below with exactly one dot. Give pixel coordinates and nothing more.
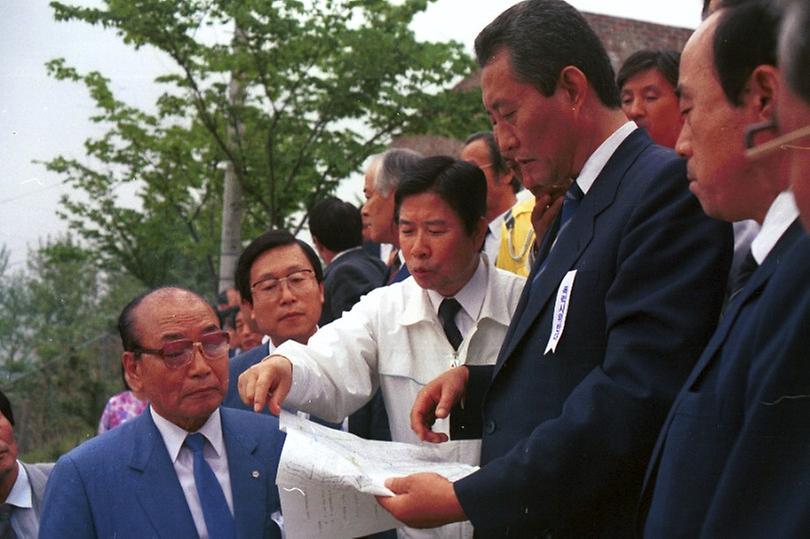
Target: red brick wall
(623, 37)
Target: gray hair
(794, 47)
(391, 167)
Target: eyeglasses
(779, 143)
(269, 288)
(179, 353)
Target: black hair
(126, 320)
(796, 48)
(664, 61)
(544, 36)
(227, 317)
(460, 184)
(336, 224)
(495, 157)
(267, 241)
(5, 408)
(745, 37)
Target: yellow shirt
(517, 238)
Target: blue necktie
(572, 199)
(218, 518)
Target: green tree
(321, 85)
(65, 362)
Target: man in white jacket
(453, 310)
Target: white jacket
(392, 339)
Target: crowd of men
(620, 346)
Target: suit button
(489, 426)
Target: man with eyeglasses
(281, 279)
(185, 468)
(728, 81)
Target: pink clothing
(119, 409)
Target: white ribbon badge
(560, 311)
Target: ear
(132, 371)
(574, 85)
(763, 86)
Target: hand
(543, 214)
(267, 382)
(422, 500)
(435, 401)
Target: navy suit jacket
(763, 488)
(567, 435)
(708, 414)
(350, 276)
(122, 484)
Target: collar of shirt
(344, 252)
(599, 158)
(20, 493)
(174, 436)
(471, 297)
(780, 216)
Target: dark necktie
(748, 266)
(393, 267)
(5, 522)
(218, 518)
(572, 199)
(448, 310)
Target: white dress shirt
(599, 158)
(182, 457)
(780, 216)
(20, 498)
(492, 242)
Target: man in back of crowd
(280, 278)
(22, 485)
(728, 81)
(336, 229)
(383, 175)
(503, 187)
(647, 82)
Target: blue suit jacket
(346, 279)
(762, 490)
(123, 484)
(708, 414)
(567, 435)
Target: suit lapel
(572, 242)
(248, 480)
(157, 488)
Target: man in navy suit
(728, 80)
(185, 468)
(761, 489)
(336, 228)
(611, 319)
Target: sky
(41, 118)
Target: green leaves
(319, 86)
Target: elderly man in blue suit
(626, 290)
(185, 468)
